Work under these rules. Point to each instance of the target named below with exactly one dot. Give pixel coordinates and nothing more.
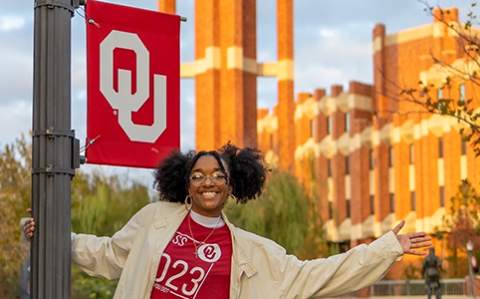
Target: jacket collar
(176, 216)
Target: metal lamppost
(55, 149)
(470, 270)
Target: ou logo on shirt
(209, 253)
(123, 100)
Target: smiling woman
(184, 246)
(208, 189)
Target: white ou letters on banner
(123, 100)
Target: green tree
(463, 225)
(15, 178)
(101, 205)
(287, 214)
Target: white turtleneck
(210, 222)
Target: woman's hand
(412, 240)
(29, 226)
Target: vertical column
(452, 151)
(167, 6)
(321, 163)
(52, 150)
(301, 136)
(286, 127)
(380, 119)
(308, 163)
(275, 134)
(419, 165)
(428, 196)
(379, 70)
(401, 170)
(338, 160)
(473, 163)
(438, 33)
(381, 178)
(231, 47)
(473, 166)
(360, 187)
(207, 78)
(264, 139)
(448, 47)
(249, 74)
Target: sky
(333, 45)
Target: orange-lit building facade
(376, 161)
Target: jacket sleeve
(106, 256)
(339, 274)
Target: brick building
(382, 161)
(376, 161)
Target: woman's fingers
(29, 228)
(414, 252)
(419, 245)
(399, 226)
(418, 240)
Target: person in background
(431, 273)
(183, 246)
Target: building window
(312, 127)
(347, 165)
(442, 196)
(390, 156)
(348, 208)
(412, 154)
(440, 147)
(330, 210)
(464, 146)
(372, 204)
(372, 159)
(329, 125)
(412, 200)
(347, 122)
(462, 92)
(329, 165)
(392, 202)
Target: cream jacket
(260, 267)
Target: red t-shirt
(183, 275)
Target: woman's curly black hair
(247, 167)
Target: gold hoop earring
(188, 206)
(234, 202)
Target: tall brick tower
(226, 70)
(286, 105)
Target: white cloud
(327, 32)
(265, 56)
(11, 23)
(333, 61)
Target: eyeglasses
(199, 179)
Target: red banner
(133, 85)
